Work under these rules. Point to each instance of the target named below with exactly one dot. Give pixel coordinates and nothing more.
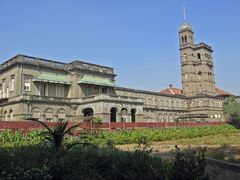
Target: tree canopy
(231, 110)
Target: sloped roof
(220, 92)
(53, 78)
(178, 91)
(172, 91)
(97, 80)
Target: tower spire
(184, 13)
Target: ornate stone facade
(50, 90)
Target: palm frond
(44, 124)
(68, 131)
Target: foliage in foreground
(56, 135)
(22, 160)
(10, 138)
(231, 110)
(88, 162)
(189, 164)
(133, 136)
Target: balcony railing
(112, 98)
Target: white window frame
(12, 84)
(27, 84)
(4, 88)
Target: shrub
(231, 110)
(189, 165)
(90, 162)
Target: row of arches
(161, 117)
(48, 114)
(123, 114)
(186, 39)
(216, 116)
(198, 57)
(166, 103)
(7, 115)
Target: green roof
(97, 80)
(53, 78)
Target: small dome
(185, 26)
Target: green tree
(231, 110)
(56, 135)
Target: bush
(189, 165)
(81, 162)
(133, 136)
(231, 110)
(91, 162)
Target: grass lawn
(219, 139)
(220, 146)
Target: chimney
(170, 86)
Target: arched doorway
(11, 114)
(133, 115)
(5, 115)
(124, 115)
(87, 112)
(113, 114)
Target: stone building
(52, 91)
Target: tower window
(199, 75)
(182, 40)
(187, 88)
(199, 56)
(200, 88)
(185, 57)
(185, 38)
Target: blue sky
(139, 38)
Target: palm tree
(56, 135)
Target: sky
(138, 38)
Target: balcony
(84, 100)
(112, 98)
(30, 98)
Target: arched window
(5, 115)
(182, 40)
(200, 88)
(61, 114)
(185, 38)
(161, 103)
(186, 88)
(87, 112)
(185, 57)
(36, 113)
(167, 103)
(199, 75)
(113, 114)
(199, 56)
(49, 114)
(133, 115)
(177, 104)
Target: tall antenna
(184, 14)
